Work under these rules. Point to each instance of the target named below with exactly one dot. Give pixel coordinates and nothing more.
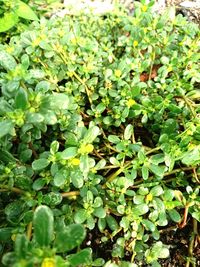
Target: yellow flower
(73, 40)
(144, 8)
(135, 43)
(169, 69)
(75, 161)
(86, 148)
(36, 42)
(149, 197)
(108, 85)
(130, 102)
(48, 262)
(118, 73)
(10, 49)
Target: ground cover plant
(99, 140)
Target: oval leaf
(91, 134)
(8, 21)
(71, 237)
(40, 164)
(21, 99)
(43, 223)
(128, 132)
(24, 11)
(5, 128)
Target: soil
(179, 245)
(176, 239)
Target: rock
(190, 9)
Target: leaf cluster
(99, 138)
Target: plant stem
(189, 105)
(84, 84)
(152, 150)
(138, 183)
(115, 174)
(191, 244)
(70, 194)
(13, 189)
(29, 231)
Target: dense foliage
(99, 139)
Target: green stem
(189, 105)
(83, 83)
(139, 182)
(191, 244)
(29, 231)
(62, 56)
(13, 189)
(70, 194)
(152, 150)
(115, 174)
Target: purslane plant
(99, 139)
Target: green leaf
(69, 238)
(35, 118)
(49, 117)
(100, 262)
(40, 164)
(157, 170)
(54, 147)
(6, 156)
(141, 156)
(7, 61)
(125, 223)
(6, 127)
(101, 224)
(55, 101)
(21, 246)
(69, 153)
(24, 11)
(149, 225)
(100, 107)
(128, 132)
(5, 234)
(121, 209)
(164, 60)
(38, 184)
(168, 195)
(174, 215)
(98, 202)
(77, 178)
(21, 99)
(84, 164)
(80, 216)
(164, 253)
(113, 139)
(196, 215)
(145, 172)
(100, 212)
(140, 209)
(43, 223)
(158, 158)
(112, 223)
(114, 161)
(192, 157)
(60, 178)
(162, 219)
(9, 20)
(25, 155)
(101, 164)
(156, 191)
(90, 222)
(82, 257)
(91, 135)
